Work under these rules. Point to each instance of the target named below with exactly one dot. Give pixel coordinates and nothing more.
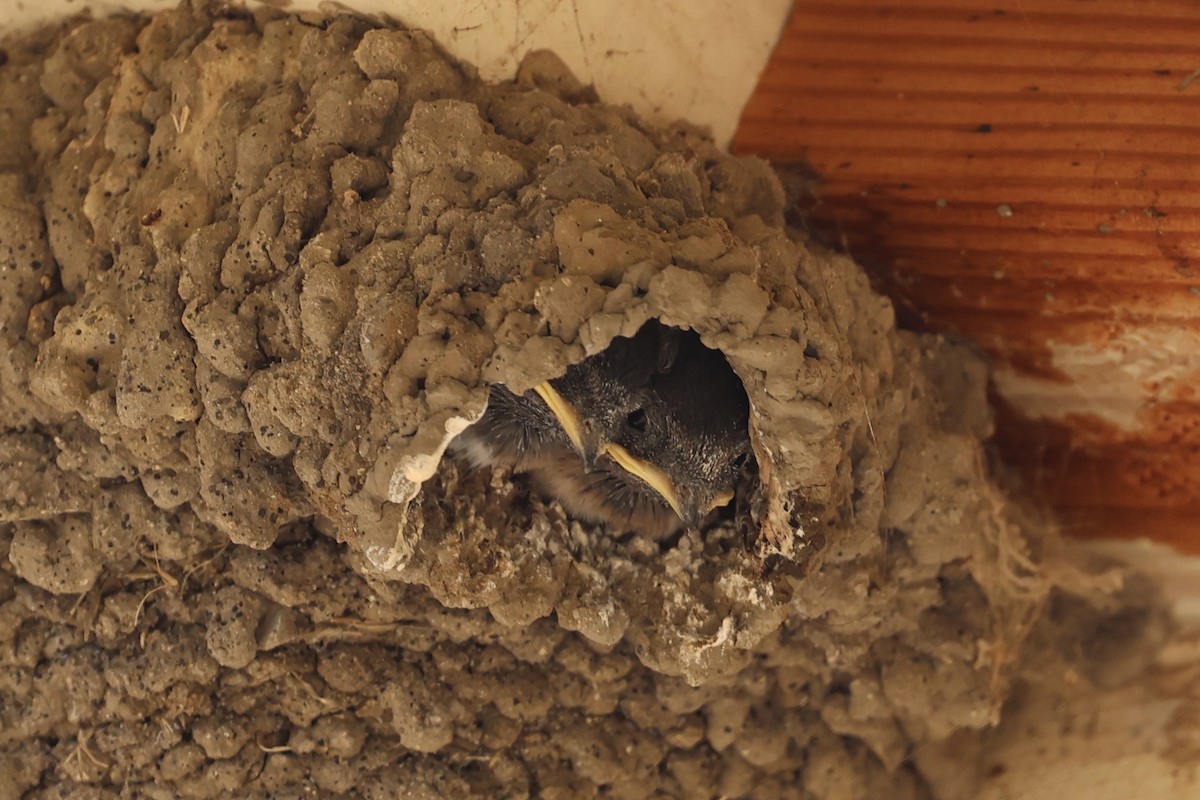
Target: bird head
(686, 436)
(594, 398)
(691, 470)
(658, 419)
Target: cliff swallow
(570, 415)
(648, 435)
(593, 400)
(676, 454)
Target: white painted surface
(670, 59)
(1142, 366)
(1178, 576)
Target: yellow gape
(651, 475)
(722, 499)
(654, 477)
(564, 411)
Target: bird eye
(740, 461)
(637, 420)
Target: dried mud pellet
(231, 631)
(56, 555)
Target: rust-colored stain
(1025, 173)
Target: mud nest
(256, 271)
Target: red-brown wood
(1024, 172)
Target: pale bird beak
(587, 442)
(722, 499)
(696, 508)
(590, 445)
(564, 412)
(654, 477)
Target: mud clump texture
(256, 271)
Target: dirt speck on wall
(257, 270)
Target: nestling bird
(648, 435)
(569, 416)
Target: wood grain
(1024, 173)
